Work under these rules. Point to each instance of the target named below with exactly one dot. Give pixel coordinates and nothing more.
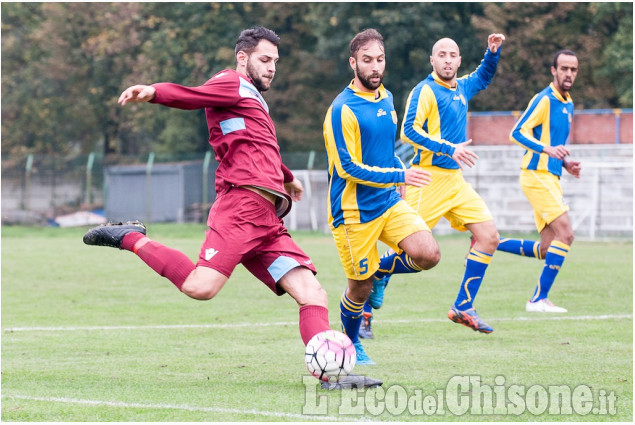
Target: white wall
(601, 200)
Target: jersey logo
(381, 113)
(209, 253)
(564, 110)
(460, 97)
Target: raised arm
(484, 73)
(495, 41)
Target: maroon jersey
(241, 132)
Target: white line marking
(538, 317)
(172, 407)
(144, 327)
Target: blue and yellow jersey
(359, 134)
(436, 114)
(545, 122)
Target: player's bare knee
(301, 285)
(318, 297)
(359, 290)
(198, 291)
(426, 254)
(492, 240)
(314, 295)
(428, 257)
(568, 237)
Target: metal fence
(37, 189)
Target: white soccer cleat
(543, 306)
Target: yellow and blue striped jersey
(436, 114)
(545, 122)
(359, 134)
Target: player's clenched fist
(138, 93)
(495, 41)
(417, 177)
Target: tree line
(65, 64)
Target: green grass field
(92, 334)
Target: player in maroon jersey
(254, 190)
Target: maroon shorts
(244, 229)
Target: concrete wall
(601, 201)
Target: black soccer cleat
(352, 381)
(111, 234)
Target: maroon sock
(130, 240)
(313, 319)
(168, 262)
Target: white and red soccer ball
(330, 355)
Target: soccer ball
(330, 355)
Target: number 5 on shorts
(363, 266)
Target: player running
(359, 133)
(435, 125)
(543, 130)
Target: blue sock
(475, 268)
(390, 264)
(520, 247)
(351, 314)
(367, 308)
(556, 254)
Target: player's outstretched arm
(138, 93)
(417, 177)
(495, 41)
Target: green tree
(320, 36)
(60, 95)
(615, 20)
(21, 131)
(536, 31)
(186, 43)
(64, 65)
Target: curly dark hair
(249, 39)
(364, 37)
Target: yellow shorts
(449, 196)
(544, 193)
(357, 243)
